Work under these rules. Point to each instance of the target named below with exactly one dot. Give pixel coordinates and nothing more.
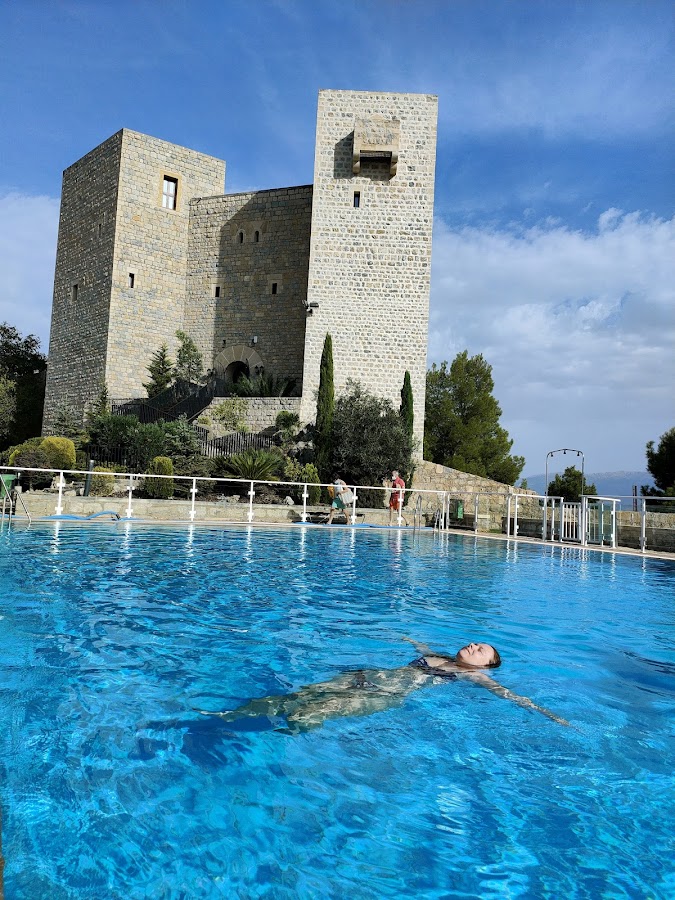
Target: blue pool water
(111, 786)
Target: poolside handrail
(511, 497)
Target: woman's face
(476, 655)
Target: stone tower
(119, 286)
(370, 253)
(148, 244)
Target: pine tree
(189, 364)
(161, 371)
(406, 411)
(325, 409)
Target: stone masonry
(370, 256)
(256, 279)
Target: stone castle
(149, 244)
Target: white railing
(559, 520)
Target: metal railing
(514, 514)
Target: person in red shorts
(397, 495)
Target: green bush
(12, 452)
(197, 467)
(160, 488)
(60, 452)
(32, 457)
(231, 414)
(102, 485)
(254, 465)
(310, 474)
(81, 461)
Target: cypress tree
(406, 411)
(325, 408)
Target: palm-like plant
(253, 465)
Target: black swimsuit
(421, 663)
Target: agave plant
(253, 465)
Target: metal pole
(193, 491)
(59, 505)
(400, 506)
(354, 506)
(508, 515)
(643, 525)
(303, 517)
(87, 480)
(131, 488)
(251, 495)
(515, 518)
(475, 514)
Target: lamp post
(566, 450)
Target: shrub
(310, 474)
(31, 457)
(102, 485)
(11, 453)
(254, 465)
(180, 439)
(60, 452)
(197, 467)
(144, 443)
(81, 460)
(231, 414)
(160, 488)
(287, 424)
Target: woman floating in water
(368, 691)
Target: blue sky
(554, 234)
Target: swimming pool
(112, 786)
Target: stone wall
(370, 264)
(113, 226)
(152, 244)
(262, 411)
(84, 266)
(253, 251)
(462, 486)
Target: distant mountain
(608, 484)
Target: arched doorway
(237, 362)
(237, 370)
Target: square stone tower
(120, 281)
(370, 251)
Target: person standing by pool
(341, 497)
(397, 495)
(368, 691)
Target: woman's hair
(496, 661)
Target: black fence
(225, 446)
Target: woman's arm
(422, 649)
(491, 685)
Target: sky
(554, 228)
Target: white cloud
(579, 329)
(28, 230)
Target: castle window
(216, 291)
(73, 293)
(99, 230)
(357, 199)
(274, 287)
(169, 192)
(132, 279)
(240, 237)
(256, 237)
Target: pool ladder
(9, 501)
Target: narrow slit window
(240, 237)
(99, 230)
(132, 279)
(216, 291)
(169, 192)
(357, 199)
(256, 237)
(274, 287)
(73, 293)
